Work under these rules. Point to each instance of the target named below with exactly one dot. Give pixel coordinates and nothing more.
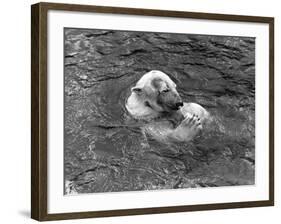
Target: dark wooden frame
(39, 110)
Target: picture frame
(41, 101)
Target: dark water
(104, 152)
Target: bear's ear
(136, 89)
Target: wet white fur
(162, 129)
(136, 106)
(146, 78)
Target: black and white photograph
(151, 111)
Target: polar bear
(155, 101)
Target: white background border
(59, 203)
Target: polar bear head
(152, 95)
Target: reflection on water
(105, 150)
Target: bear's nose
(179, 104)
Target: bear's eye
(165, 90)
